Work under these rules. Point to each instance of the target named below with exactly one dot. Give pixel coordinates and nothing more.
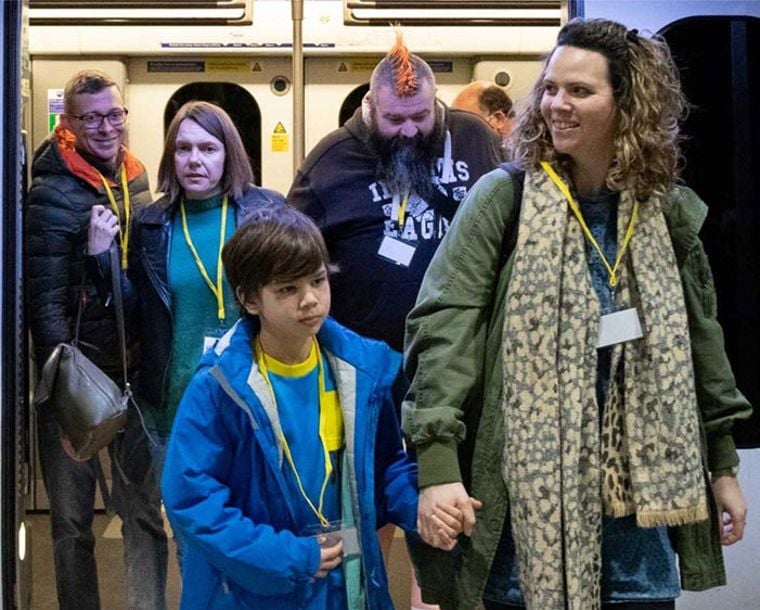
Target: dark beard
(407, 165)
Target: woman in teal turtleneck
(185, 302)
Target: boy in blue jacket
(286, 454)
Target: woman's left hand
(732, 507)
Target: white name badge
(396, 251)
(618, 327)
(209, 343)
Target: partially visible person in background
(489, 101)
(86, 189)
(185, 301)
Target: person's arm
(395, 472)
(303, 197)
(197, 498)
(445, 343)
(52, 234)
(720, 402)
(102, 231)
(446, 329)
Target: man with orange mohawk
(384, 187)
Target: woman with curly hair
(568, 367)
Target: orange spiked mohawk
(404, 75)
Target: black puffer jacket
(64, 188)
(149, 276)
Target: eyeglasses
(93, 120)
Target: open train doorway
(722, 152)
(250, 91)
(351, 103)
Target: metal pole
(299, 134)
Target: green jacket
(453, 411)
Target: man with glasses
(79, 172)
(489, 101)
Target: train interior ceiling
(239, 54)
(247, 70)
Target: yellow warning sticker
(280, 142)
(227, 64)
(279, 128)
(360, 65)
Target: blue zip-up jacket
(225, 491)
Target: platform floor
(108, 550)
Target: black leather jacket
(148, 273)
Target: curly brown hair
(650, 109)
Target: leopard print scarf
(562, 472)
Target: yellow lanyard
(261, 360)
(612, 270)
(124, 229)
(218, 290)
(402, 211)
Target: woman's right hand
(330, 557)
(104, 225)
(732, 507)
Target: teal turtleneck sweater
(194, 306)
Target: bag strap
(80, 306)
(100, 477)
(509, 241)
(119, 304)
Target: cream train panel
(515, 75)
(150, 90)
(331, 81)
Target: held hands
(444, 512)
(104, 225)
(732, 507)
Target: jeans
(71, 490)
(158, 450)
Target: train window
(237, 102)
(453, 12)
(126, 12)
(722, 149)
(351, 103)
